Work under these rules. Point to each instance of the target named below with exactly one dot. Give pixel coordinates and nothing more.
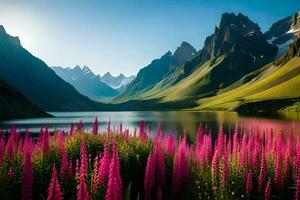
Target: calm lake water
(175, 121)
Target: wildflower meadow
(116, 164)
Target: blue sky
(122, 36)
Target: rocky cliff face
(235, 34)
(283, 32)
(183, 53)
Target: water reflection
(175, 121)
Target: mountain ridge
(86, 82)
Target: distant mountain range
(238, 68)
(118, 83)
(36, 81)
(92, 85)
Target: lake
(175, 121)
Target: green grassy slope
(272, 83)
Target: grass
(275, 82)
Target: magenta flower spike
(27, 180)
(149, 179)
(2, 149)
(80, 126)
(268, 191)
(104, 165)
(180, 170)
(70, 170)
(95, 127)
(249, 185)
(83, 159)
(235, 146)
(215, 165)
(160, 166)
(95, 174)
(82, 192)
(114, 187)
(262, 174)
(278, 178)
(54, 192)
(225, 171)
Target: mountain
(283, 32)
(236, 48)
(15, 105)
(36, 81)
(148, 76)
(183, 53)
(86, 82)
(117, 82)
(273, 87)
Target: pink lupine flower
(249, 185)
(215, 165)
(149, 179)
(70, 170)
(60, 141)
(83, 158)
(262, 174)
(2, 149)
(243, 154)
(180, 170)
(82, 192)
(95, 127)
(27, 180)
(104, 165)
(54, 192)
(225, 171)
(80, 126)
(10, 146)
(170, 145)
(235, 145)
(114, 187)
(96, 182)
(64, 163)
(160, 166)
(278, 178)
(268, 190)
